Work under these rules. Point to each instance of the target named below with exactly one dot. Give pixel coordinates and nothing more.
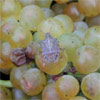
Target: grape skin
(78, 98)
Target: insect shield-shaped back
(50, 48)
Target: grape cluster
(50, 49)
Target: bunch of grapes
(49, 49)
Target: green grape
(49, 92)
(44, 3)
(5, 93)
(92, 37)
(62, 1)
(19, 95)
(78, 98)
(53, 68)
(67, 87)
(48, 13)
(93, 21)
(58, 8)
(70, 43)
(27, 2)
(52, 26)
(20, 37)
(31, 16)
(86, 59)
(66, 21)
(72, 11)
(32, 81)
(16, 74)
(91, 86)
(7, 27)
(10, 8)
(89, 7)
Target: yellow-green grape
(58, 8)
(93, 21)
(52, 26)
(66, 21)
(91, 86)
(87, 59)
(89, 7)
(49, 92)
(44, 3)
(72, 11)
(27, 2)
(53, 68)
(70, 43)
(67, 87)
(20, 37)
(62, 1)
(33, 81)
(7, 27)
(10, 8)
(78, 98)
(31, 16)
(92, 37)
(48, 13)
(16, 74)
(5, 93)
(36, 38)
(5, 50)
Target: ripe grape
(62, 1)
(54, 67)
(5, 93)
(10, 8)
(93, 21)
(67, 87)
(66, 21)
(32, 81)
(58, 8)
(89, 7)
(49, 92)
(52, 26)
(72, 11)
(48, 13)
(92, 37)
(78, 98)
(91, 86)
(86, 59)
(70, 43)
(31, 16)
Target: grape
(52, 68)
(33, 81)
(5, 71)
(92, 37)
(78, 98)
(58, 8)
(27, 2)
(31, 16)
(10, 8)
(19, 95)
(16, 74)
(5, 93)
(62, 1)
(91, 86)
(67, 87)
(89, 7)
(51, 26)
(49, 92)
(48, 13)
(72, 11)
(70, 42)
(93, 21)
(44, 3)
(66, 21)
(86, 59)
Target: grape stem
(6, 83)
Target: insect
(50, 48)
